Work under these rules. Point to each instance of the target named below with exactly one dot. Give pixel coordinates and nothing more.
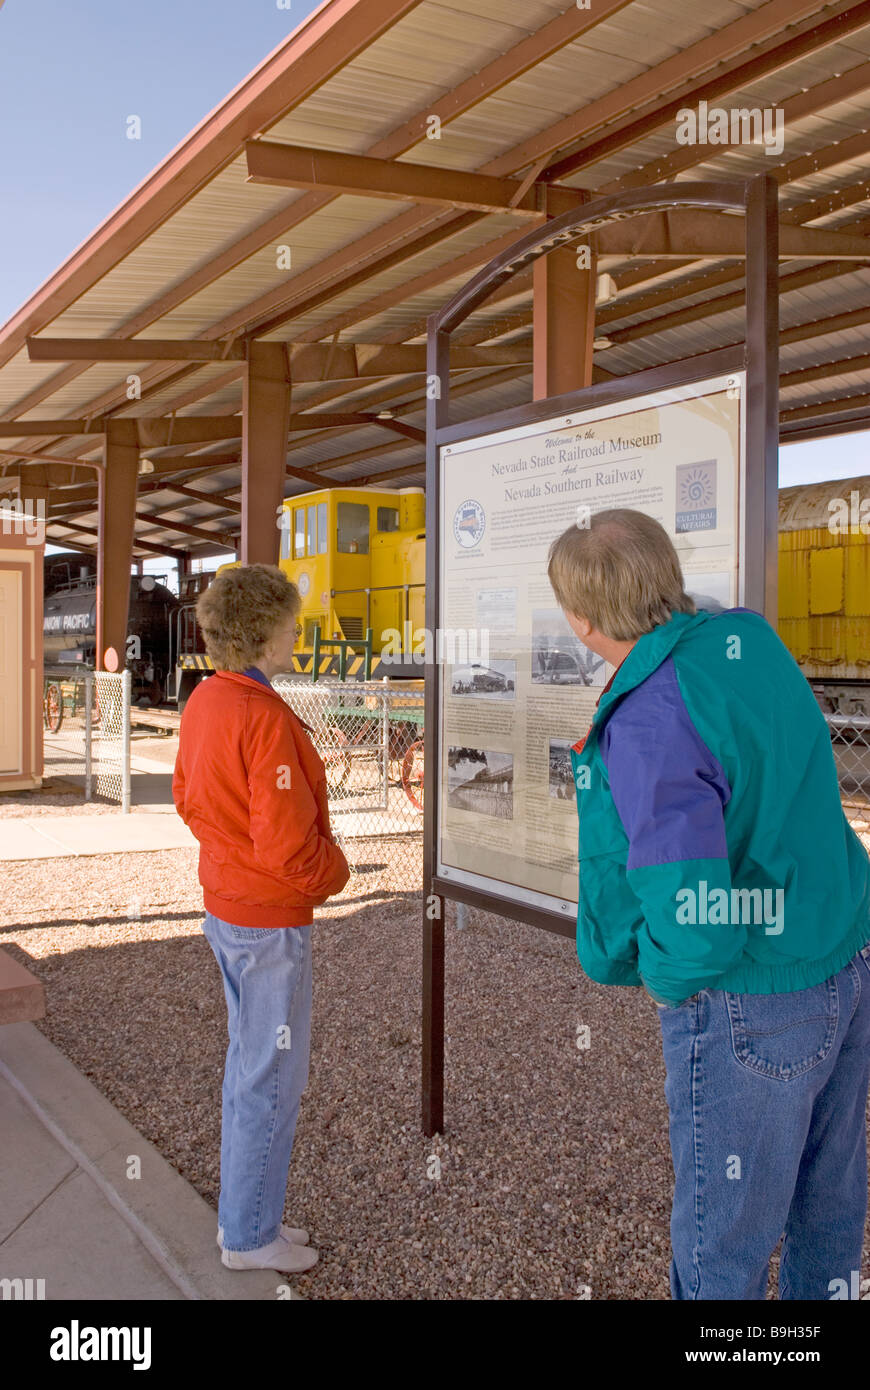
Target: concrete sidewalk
(70, 1214)
(48, 837)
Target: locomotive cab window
(352, 528)
(388, 518)
(310, 534)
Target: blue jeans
(767, 1096)
(267, 985)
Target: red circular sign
(110, 659)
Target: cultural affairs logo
(469, 523)
(696, 496)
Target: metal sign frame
(758, 356)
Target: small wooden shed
(21, 563)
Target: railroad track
(166, 720)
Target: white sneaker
(294, 1233)
(281, 1254)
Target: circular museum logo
(469, 522)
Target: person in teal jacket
(717, 869)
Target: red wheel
(335, 757)
(401, 738)
(53, 707)
(412, 774)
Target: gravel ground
(555, 1167)
(55, 797)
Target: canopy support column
(117, 507)
(563, 319)
(265, 431)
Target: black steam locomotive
(70, 626)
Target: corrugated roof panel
(427, 53)
(201, 229)
(834, 392)
(809, 134)
(336, 228)
(633, 357)
(165, 399)
(807, 72)
(18, 378)
(534, 101)
(826, 298)
(826, 185)
(73, 398)
(441, 254)
(314, 449)
(833, 347)
(626, 314)
(702, 335)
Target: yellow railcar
(824, 588)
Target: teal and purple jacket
(713, 848)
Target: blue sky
(72, 73)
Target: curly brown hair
(240, 610)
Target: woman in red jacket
(251, 786)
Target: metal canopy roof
(375, 244)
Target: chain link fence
(370, 737)
(87, 732)
(850, 740)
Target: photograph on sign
(517, 687)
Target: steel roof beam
(308, 362)
(165, 524)
(24, 428)
(826, 408)
(711, 235)
(225, 543)
(843, 366)
(85, 494)
(825, 428)
(138, 543)
(132, 350)
(302, 166)
(795, 216)
(828, 157)
(182, 491)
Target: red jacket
(252, 787)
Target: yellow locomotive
(357, 556)
(358, 559)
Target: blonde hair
(620, 572)
(240, 610)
